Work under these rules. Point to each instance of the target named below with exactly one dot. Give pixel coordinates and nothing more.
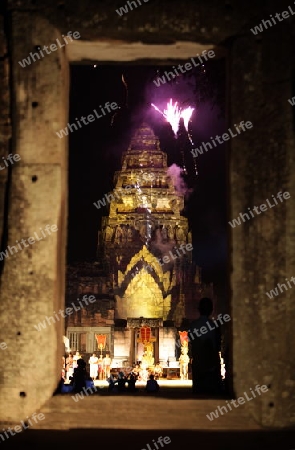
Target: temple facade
(145, 282)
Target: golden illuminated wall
(143, 296)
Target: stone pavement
(131, 421)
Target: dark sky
(96, 149)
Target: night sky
(96, 150)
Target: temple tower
(149, 287)
(146, 241)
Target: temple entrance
(145, 280)
(144, 346)
(144, 353)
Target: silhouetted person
(112, 384)
(79, 376)
(131, 380)
(121, 382)
(205, 348)
(152, 385)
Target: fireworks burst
(186, 115)
(173, 113)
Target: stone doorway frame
(39, 191)
(36, 193)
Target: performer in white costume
(93, 361)
(75, 358)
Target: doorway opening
(109, 256)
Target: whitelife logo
(124, 9)
(119, 193)
(167, 259)
(68, 312)
(241, 400)
(3, 345)
(203, 330)
(23, 426)
(265, 23)
(275, 292)
(53, 47)
(262, 207)
(183, 68)
(87, 391)
(108, 106)
(161, 440)
(221, 139)
(10, 158)
(31, 240)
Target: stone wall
(263, 248)
(122, 339)
(167, 339)
(32, 283)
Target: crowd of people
(126, 383)
(142, 372)
(78, 378)
(204, 355)
(99, 367)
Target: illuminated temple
(148, 278)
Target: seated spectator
(62, 387)
(66, 388)
(136, 371)
(113, 382)
(131, 380)
(158, 371)
(121, 381)
(152, 385)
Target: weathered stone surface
(32, 285)
(5, 123)
(153, 22)
(262, 164)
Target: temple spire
(144, 223)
